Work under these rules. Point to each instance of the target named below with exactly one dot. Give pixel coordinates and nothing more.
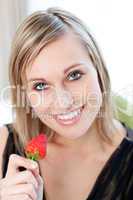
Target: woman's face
(62, 79)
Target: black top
(115, 181)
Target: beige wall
(12, 13)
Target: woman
(64, 91)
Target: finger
(21, 178)
(18, 197)
(16, 161)
(41, 187)
(27, 189)
(39, 180)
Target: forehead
(58, 55)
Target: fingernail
(34, 165)
(37, 186)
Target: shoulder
(123, 159)
(127, 168)
(128, 142)
(124, 142)
(4, 133)
(123, 130)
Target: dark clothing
(115, 182)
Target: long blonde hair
(36, 31)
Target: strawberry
(36, 148)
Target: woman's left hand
(40, 186)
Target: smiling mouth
(65, 116)
(69, 118)
(67, 113)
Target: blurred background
(109, 21)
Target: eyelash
(71, 73)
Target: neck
(89, 142)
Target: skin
(62, 93)
(27, 184)
(75, 147)
(75, 156)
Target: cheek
(33, 98)
(36, 100)
(43, 114)
(40, 108)
(93, 95)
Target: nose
(64, 99)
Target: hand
(24, 185)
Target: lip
(55, 115)
(66, 122)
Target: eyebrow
(65, 71)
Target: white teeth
(70, 115)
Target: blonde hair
(36, 31)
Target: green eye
(39, 86)
(76, 75)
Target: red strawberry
(36, 148)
